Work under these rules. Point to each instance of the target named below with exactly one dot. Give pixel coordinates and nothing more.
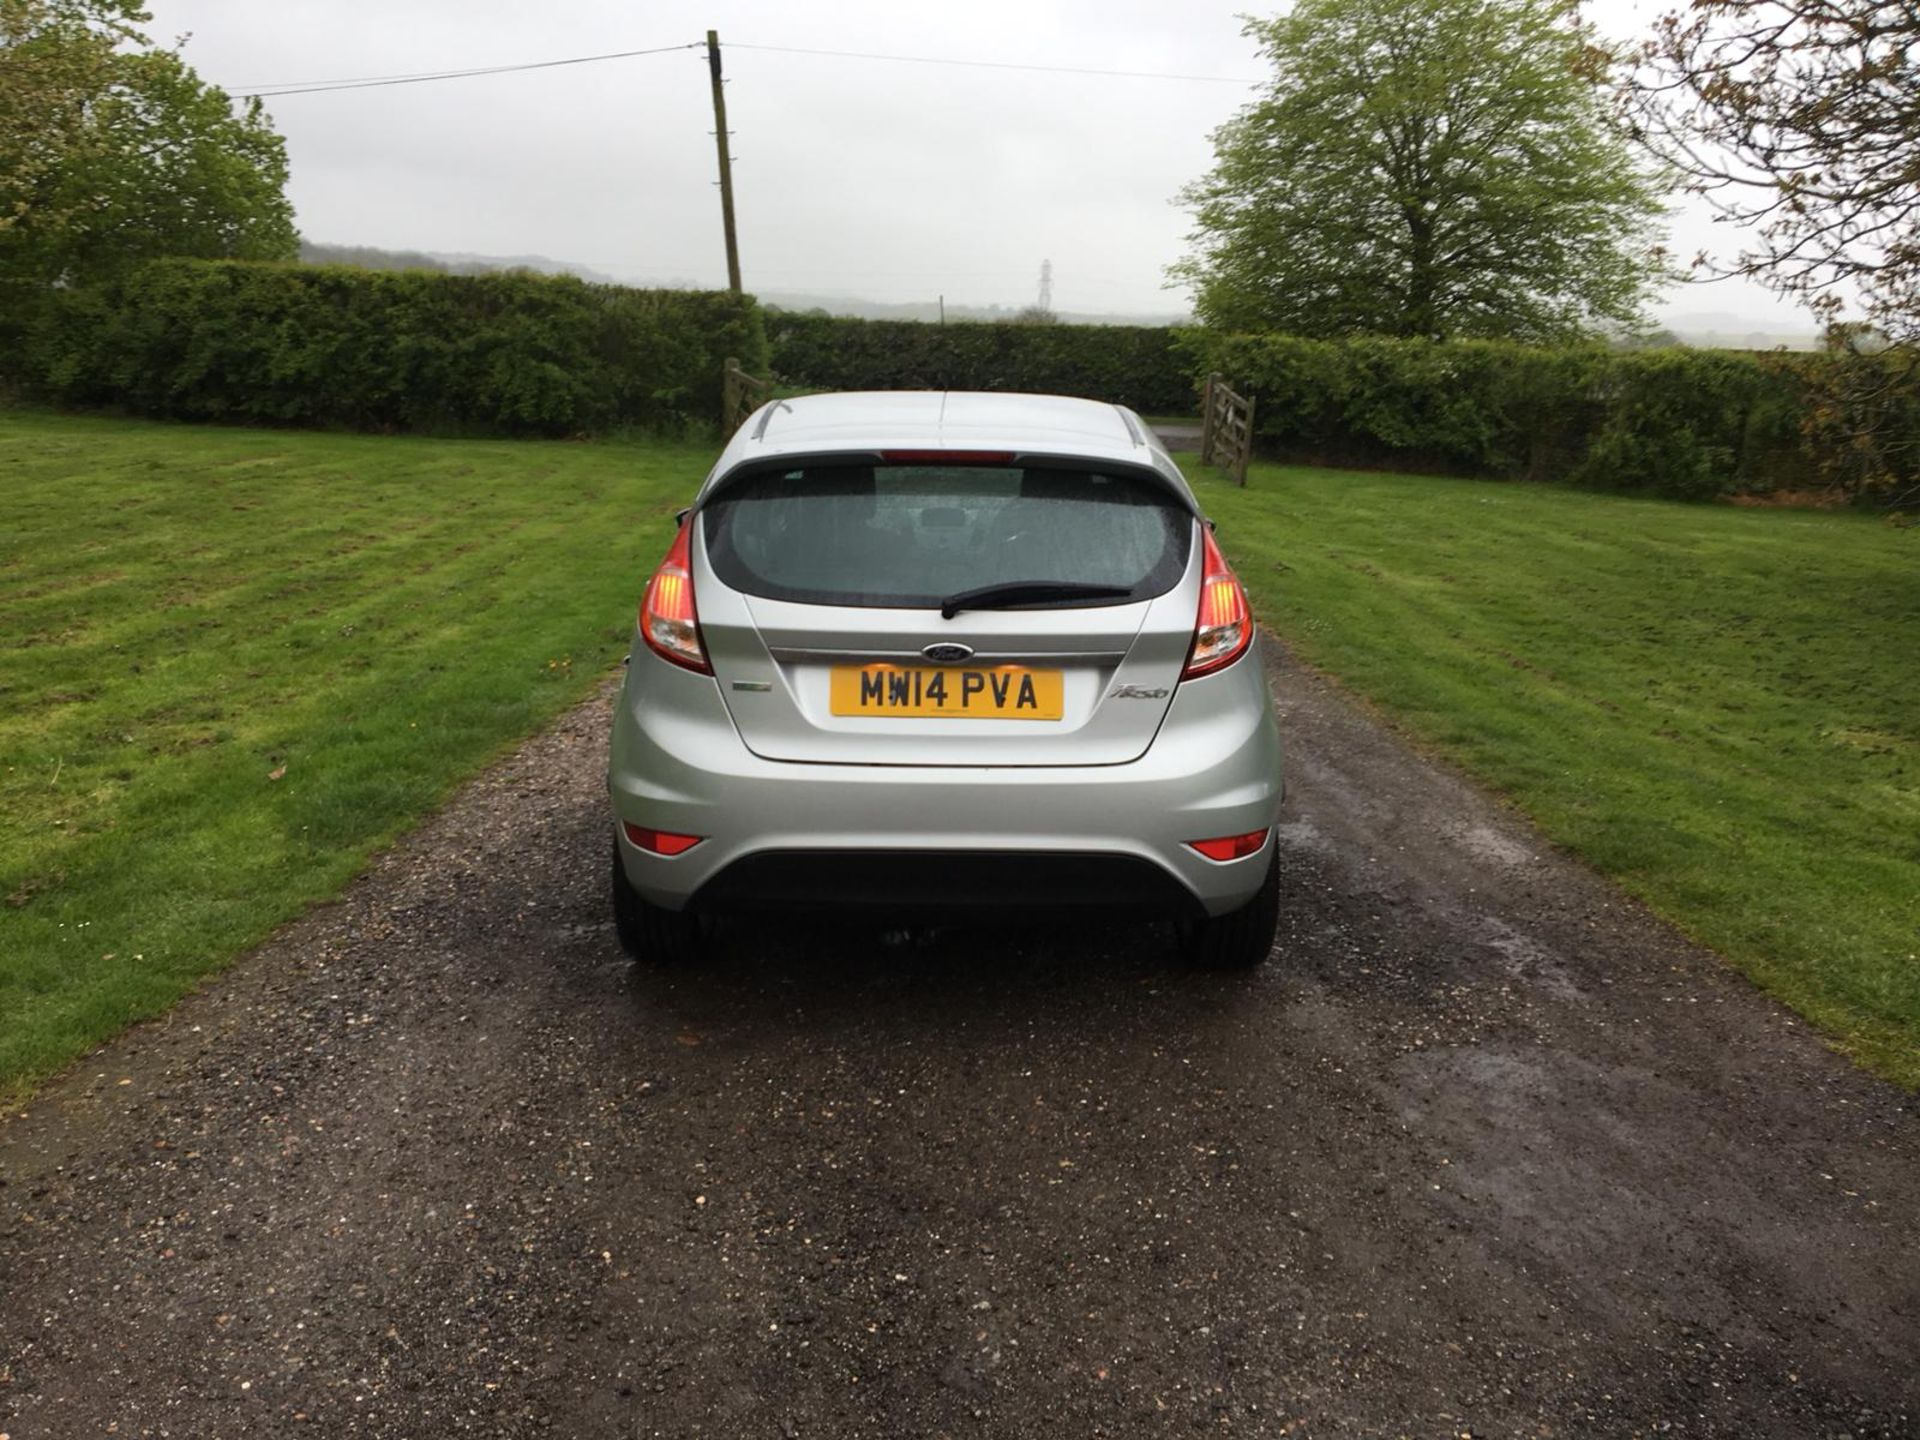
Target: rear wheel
(1243, 938)
(650, 933)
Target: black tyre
(648, 933)
(1242, 938)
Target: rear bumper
(946, 837)
(954, 883)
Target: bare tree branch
(1799, 119)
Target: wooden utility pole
(726, 161)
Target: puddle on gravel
(1527, 959)
(1304, 836)
(1484, 843)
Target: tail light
(1224, 628)
(668, 621)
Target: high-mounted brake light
(1230, 847)
(947, 457)
(1224, 627)
(668, 621)
(661, 842)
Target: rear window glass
(912, 535)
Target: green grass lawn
(187, 614)
(1718, 707)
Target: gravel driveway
(1486, 1151)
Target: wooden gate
(740, 395)
(1226, 429)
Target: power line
(315, 87)
(370, 82)
(995, 64)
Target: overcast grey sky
(891, 180)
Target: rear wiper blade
(1027, 592)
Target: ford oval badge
(948, 653)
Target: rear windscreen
(912, 535)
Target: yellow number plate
(1001, 692)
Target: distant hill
(1727, 330)
(1706, 329)
(859, 309)
(462, 263)
(365, 257)
(369, 257)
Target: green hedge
(1135, 365)
(409, 350)
(1687, 423)
(547, 355)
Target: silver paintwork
(957, 420)
(755, 768)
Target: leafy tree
(1425, 168)
(49, 64)
(113, 151)
(1800, 122)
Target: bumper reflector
(661, 842)
(1230, 847)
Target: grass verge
(233, 663)
(1718, 707)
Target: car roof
(944, 420)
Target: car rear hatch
(944, 609)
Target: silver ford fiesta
(945, 654)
